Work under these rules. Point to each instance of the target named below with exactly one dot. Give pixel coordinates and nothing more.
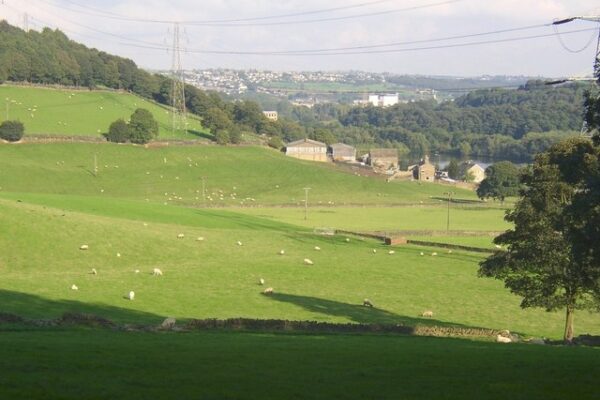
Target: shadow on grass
(357, 312)
(37, 307)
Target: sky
(144, 31)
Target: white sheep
(239, 243)
(157, 272)
(502, 339)
(449, 251)
(281, 252)
(421, 254)
(118, 254)
(374, 250)
(427, 314)
(434, 254)
(261, 281)
(317, 248)
(308, 261)
(84, 247)
(74, 287)
(200, 238)
(367, 303)
(94, 272)
(268, 291)
(180, 236)
(137, 271)
(131, 295)
(347, 239)
(391, 252)
(168, 323)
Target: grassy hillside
(242, 175)
(82, 112)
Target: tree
(222, 137)
(542, 263)
(12, 131)
(216, 120)
(142, 126)
(453, 170)
(275, 142)
(118, 131)
(235, 134)
(501, 181)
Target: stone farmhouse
(343, 152)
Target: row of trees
(141, 128)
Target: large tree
(542, 263)
(501, 181)
(142, 126)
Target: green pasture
(362, 219)
(83, 112)
(218, 278)
(78, 364)
(233, 176)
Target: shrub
(118, 131)
(275, 142)
(12, 131)
(235, 135)
(222, 136)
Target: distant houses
(472, 172)
(307, 149)
(424, 171)
(271, 115)
(343, 152)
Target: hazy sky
(389, 22)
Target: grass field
(113, 365)
(82, 112)
(130, 216)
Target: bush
(118, 131)
(142, 126)
(235, 135)
(12, 131)
(275, 142)
(222, 136)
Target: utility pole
(178, 117)
(95, 165)
(306, 189)
(448, 213)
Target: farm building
(307, 149)
(424, 171)
(271, 115)
(343, 152)
(476, 171)
(383, 158)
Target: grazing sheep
(261, 281)
(347, 239)
(281, 252)
(268, 291)
(180, 236)
(137, 271)
(421, 254)
(367, 303)
(74, 287)
(118, 254)
(94, 272)
(84, 247)
(157, 272)
(449, 251)
(502, 339)
(427, 314)
(374, 250)
(131, 295)
(317, 248)
(168, 323)
(308, 261)
(200, 238)
(391, 252)
(497, 246)
(434, 254)
(239, 243)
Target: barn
(343, 152)
(307, 149)
(383, 158)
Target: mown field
(130, 215)
(83, 112)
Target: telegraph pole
(178, 117)
(306, 189)
(448, 213)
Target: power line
(445, 46)
(216, 23)
(297, 14)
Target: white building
(383, 100)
